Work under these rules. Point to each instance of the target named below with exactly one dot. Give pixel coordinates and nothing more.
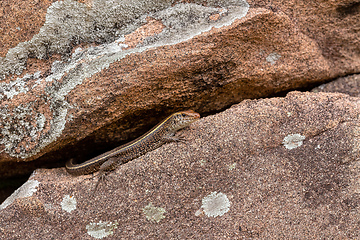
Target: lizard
(163, 132)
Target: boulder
(276, 168)
(90, 75)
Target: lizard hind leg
(104, 170)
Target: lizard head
(182, 119)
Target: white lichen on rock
(273, 57)
(13, 88)
(215, 204)
(232, 166)
(26, 190)
(68, 203)
(21, 125)
(293, 141)
(70, 22)
(101, 229)
(154, 213)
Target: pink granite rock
(349, 85)
(94, 73)
(277, 168)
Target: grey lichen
(215, 204)
(68, 203)
(19, 125)
(101, 229)
(154, 213)
(293, 141)
(273, 57)
(13, 88)
(70, 22)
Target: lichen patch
(68, 203)
(293, 141)
(101, 229)
(154, 213)
(272, 58)
(215, 204)
(40, 117)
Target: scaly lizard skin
(162, 133)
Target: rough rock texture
(328, 24)
(349, 85)
(279, 168)
(100, 72)
(20, 21)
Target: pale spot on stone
(68, 203)
(198, 212)
(26, 190)
(293, 141)
(232, 166)
(215, 204)
(273, 57)
(153, 213)
(101, 229)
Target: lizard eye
(183, 115)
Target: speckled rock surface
(348, 85)
(98, 72)
(20, 21)
(330, 24)
(278, 168)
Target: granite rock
(92, 74)
(348, 85)
(277, 168)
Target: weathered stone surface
(278, 168)
(333, 25)
(20, 21)
(99, 90)
(61, 88)
(349, 85)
